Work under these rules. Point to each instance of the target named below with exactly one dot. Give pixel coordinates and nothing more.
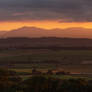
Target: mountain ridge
(32, 32)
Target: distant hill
(33, 32)
(2, 33)
(46, 43)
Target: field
(30, 68)
(71, 56)
(75, 61)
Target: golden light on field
(43, 24)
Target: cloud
(60, 10)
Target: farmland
(45, 54)
(19, 65)
(68, 60)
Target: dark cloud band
(62, 10)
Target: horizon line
(46, 28)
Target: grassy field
(69, 56)
(67, 60)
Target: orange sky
(43, 24)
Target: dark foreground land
(75, 61)
(62, 65)
(11, 82)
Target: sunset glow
(7, 26)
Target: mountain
(2, 33)
(33, 32)
(27, 32)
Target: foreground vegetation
(10, 82)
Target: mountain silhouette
(33, 32)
